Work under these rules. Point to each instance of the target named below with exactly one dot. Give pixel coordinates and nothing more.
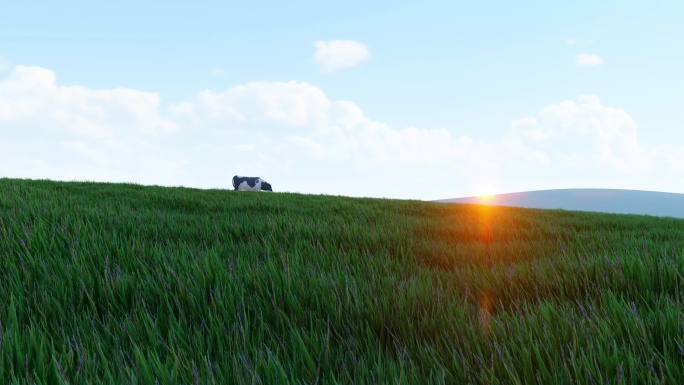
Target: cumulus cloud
(588, 60)
(301, 140)
(74, 132)
(585, 136)
(31, 97)
(334, 55)
(292, 103)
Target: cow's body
(247, 183)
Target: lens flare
(485, 310)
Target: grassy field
(117, 284)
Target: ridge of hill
(598, 200)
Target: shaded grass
(104, 283)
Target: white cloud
(334, 55)
(588, 60)
(49, 130)
(294, 135)
(262, 104)
(584, 133)
(31, 97)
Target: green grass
(106, 283)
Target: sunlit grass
(122, 284)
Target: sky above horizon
(422, 100)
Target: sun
(485, 193)
(486, 199)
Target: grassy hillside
(104, 283)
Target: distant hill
(601, 200)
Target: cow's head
(265, 186)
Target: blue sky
(469, 69)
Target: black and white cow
(247, 183)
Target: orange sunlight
(485, 310)
(486, 213)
